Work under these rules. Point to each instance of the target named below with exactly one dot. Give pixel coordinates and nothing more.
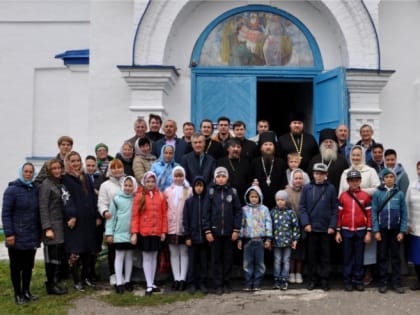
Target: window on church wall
(254, 38)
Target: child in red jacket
(149, 225)
(354, 228)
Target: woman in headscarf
(20, 216)
(164, 165)
(143, 159)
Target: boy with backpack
(389, 218)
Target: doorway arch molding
(350, 17)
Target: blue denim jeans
(281, 263)
(253, 264)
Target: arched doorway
(252, 62)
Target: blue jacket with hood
(193, 214)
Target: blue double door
(250, 97)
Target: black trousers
(389, 248)
(221, 260)
(197, 264)
(318, 256)
(21, 265)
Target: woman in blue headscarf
(164, 165)
(22, 229)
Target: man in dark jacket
(197, 162)
(237, 166)
(170, 128)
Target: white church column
(149, 87)
(364, 87)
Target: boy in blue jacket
(318, 207)
(222, 218)
(194, 237)
(389, 220)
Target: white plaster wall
(111, 38)
(400, 99)
(31, 35)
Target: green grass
(46, 305)
(2, 237)
(52, 304)
(130, 299)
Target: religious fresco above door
(256, 38)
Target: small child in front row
(354, 227)
(254, 237)
(286, 233)
(117, 231)
(389, 218)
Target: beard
(329, 154)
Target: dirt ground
(293, 301)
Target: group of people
(205, 194)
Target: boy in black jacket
(222, 218)
(194, 237)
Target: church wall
(400, 99)
(31, 35)
(111, 39)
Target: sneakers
(292, 278)
(256, 289)
(325, 286)
(399, 289)
(360, 287)
(79, 287)
(348, 287)
(383, 289)
(298, 278)
(192, 289)
(247, 289)
(283, 286)
(415, 286)
(112, 279)
(218, 291)
(204, 289)
(311, 286)
(276, 286)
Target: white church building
(89, 68)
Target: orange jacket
(153, 220)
